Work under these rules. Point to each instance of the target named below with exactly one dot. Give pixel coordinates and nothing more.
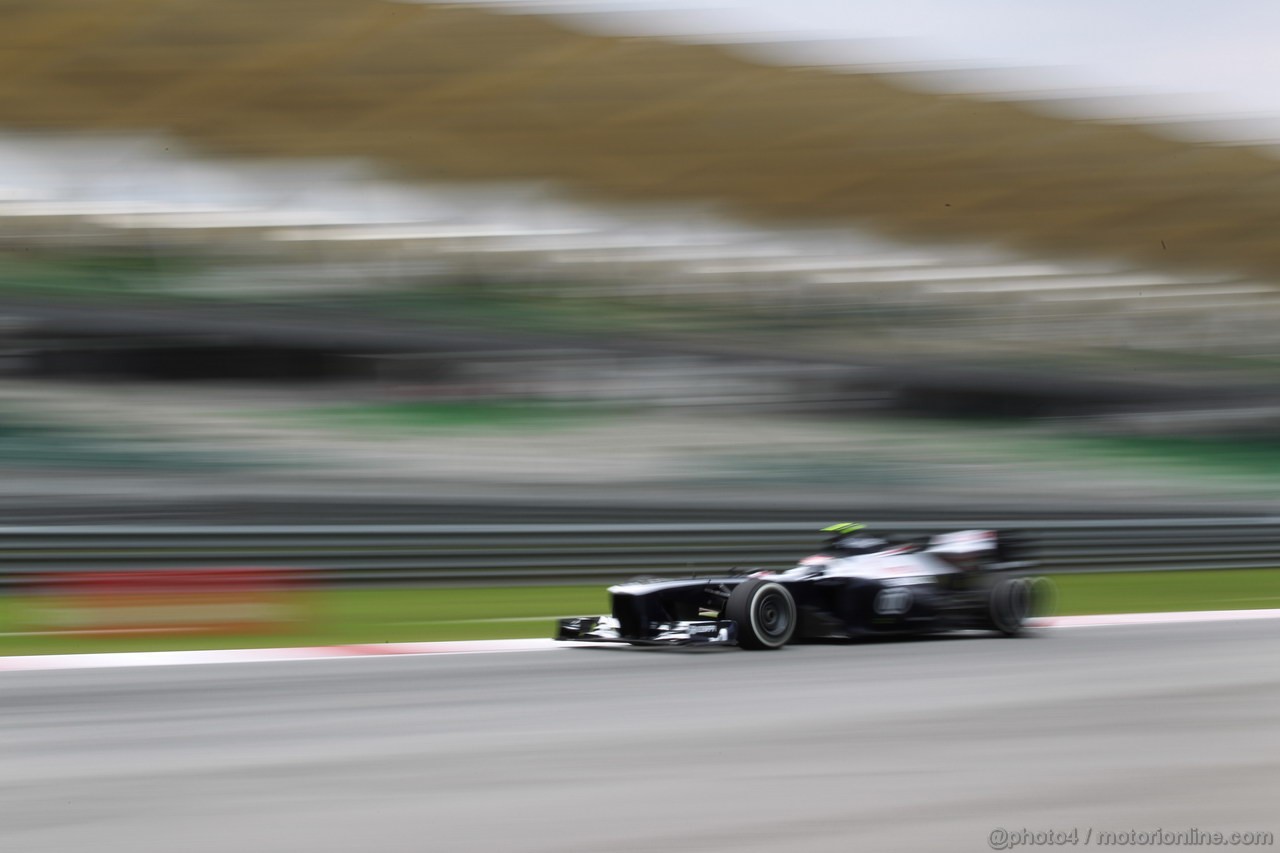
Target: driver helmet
(849, 536)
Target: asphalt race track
(924, 745)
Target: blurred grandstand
(362, 206)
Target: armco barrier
(560, 553)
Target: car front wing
(607, 629)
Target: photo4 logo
(1001, 838)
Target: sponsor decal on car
(893, 601)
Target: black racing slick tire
(1010, 603)
(765, 613)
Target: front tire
(765, 613)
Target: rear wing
(988, 549)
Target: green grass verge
(359, 616)
(1142, 592)
(343, 616)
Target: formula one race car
(858, 586)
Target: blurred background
(367, 324)
(358, 261)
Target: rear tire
(765, 613)
(1009, 605)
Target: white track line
(473, 647)
(1103, 619)
(121, 659)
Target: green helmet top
(843, 527)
